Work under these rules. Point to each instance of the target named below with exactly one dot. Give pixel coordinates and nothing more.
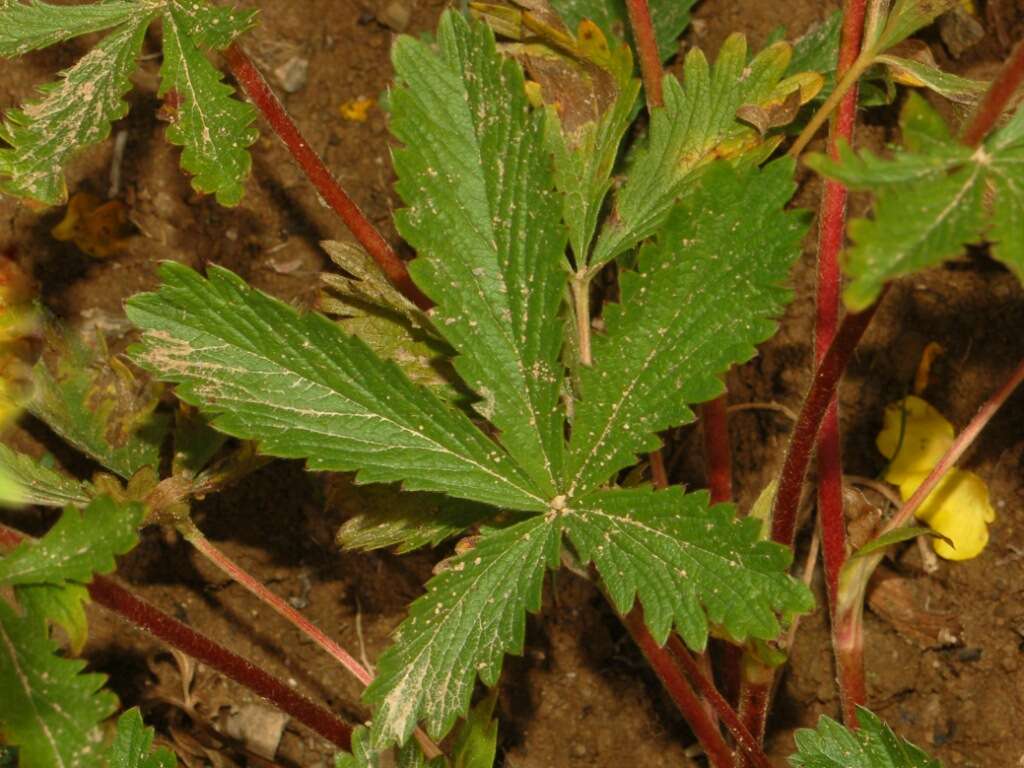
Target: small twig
(806, 577)
(282, 608)
(882, 489)
(119, 600)
(647, 48)
(261, 95)
(785, 410)
(117, 164)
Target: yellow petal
(959, 509)
(921, 439)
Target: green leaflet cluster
(934, 197)
(872, 745)
(50, 709)
(486, 214)
(77, 110)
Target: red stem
(119, 600)
(717, 456)
(999, 95)
(849, 662)
(681, 692)
(279, 605)
(647, 48)
(812, 413)
(259, 92)
(304, 625)
(744, 738)
(753, 709)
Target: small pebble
(395, 15)
(292, 75)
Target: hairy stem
(998, 97)
(692, 669)
(681, 692)
(283, 609)
(812, 413)
(717, 454)
(832, 228)
(142, 614)
(647, 49)
(260, 94)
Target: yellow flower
(914, 437)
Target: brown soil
(580, 696)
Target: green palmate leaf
(473, 613)
(94, 402)
(486, 224)
(699, 116)
(304, 389)
(874, 745)
(707, 290)
(214, 128)
(670, 18)
(74, 112)
(38, 484)
(933, 199)
(686, 563)
(382, 516)
(78, 545)
(133, 745)
(213, 26)
(28, 26)
(49, 710)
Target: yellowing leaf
(914, 437)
